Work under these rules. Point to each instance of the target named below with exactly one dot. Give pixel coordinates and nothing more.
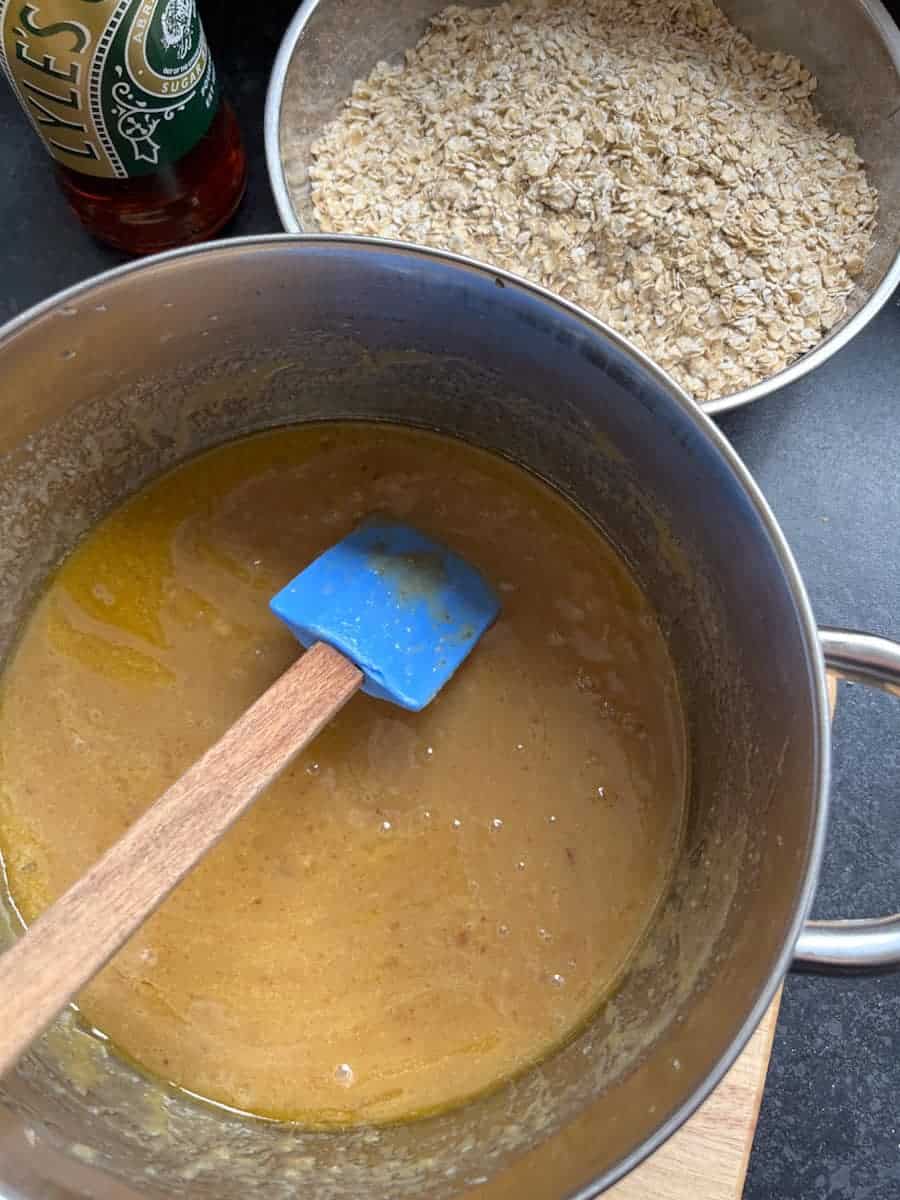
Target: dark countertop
(825, 451)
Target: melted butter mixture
(426, 903)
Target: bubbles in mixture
(343, 1074)
(103, 594)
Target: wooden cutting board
(707, 1158)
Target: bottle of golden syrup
(125, 97)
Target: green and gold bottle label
(115, 88)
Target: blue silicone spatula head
(404, 608)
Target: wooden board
(707, 1158)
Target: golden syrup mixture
(425, 903)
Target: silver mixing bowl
(853, 47)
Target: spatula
(387, 610)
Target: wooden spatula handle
(70, 942)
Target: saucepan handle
(872, 943)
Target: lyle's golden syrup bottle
(124, 95)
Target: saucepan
(120, 378)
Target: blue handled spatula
(404, 609)
(386, 610)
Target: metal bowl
(853, 47)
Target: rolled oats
(640, 157)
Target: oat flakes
(640, 157)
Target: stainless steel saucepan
(120, 378)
